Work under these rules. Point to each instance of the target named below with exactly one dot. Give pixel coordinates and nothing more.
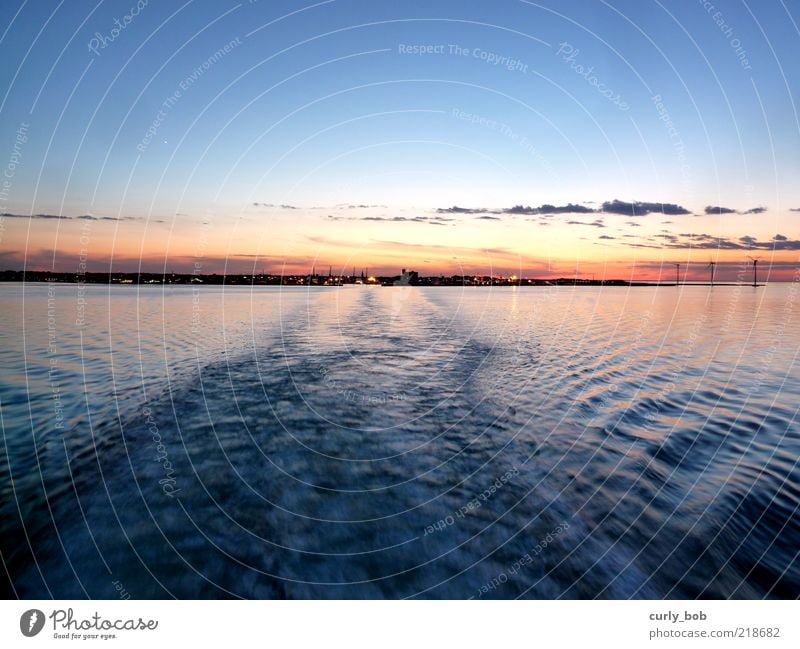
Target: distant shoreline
(185, 279)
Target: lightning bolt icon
(32, 621)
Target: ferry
(407, 278)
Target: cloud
(597, 223)
(404, 244)
(88, 217)
(686, 240)
(794, 209)
(60, 261)
(461, 250)
(520, 209)
(570, 208)
(701, 266)
(616, 206)
(7, 215)
(641, 208)
(461, 210)
(605, 236)
(338, 206)
(329, 242)
(283, 207)
(83, 217)
(486, 217)
(430, 220)
(394, 219)
(713, 209)
(526, 210)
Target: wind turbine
(711, 265)
(755, 269)
(677, 274)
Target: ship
(407, 278)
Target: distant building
(408, 278)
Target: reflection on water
(400, 442)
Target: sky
(590, 138)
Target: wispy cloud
(82, 217)
(405, 244)
(273, 205)
(460, 250)
(430, 220)
(338, 206)
(686, 240)
(597, 223)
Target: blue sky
(316, 105)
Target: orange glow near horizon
(470, 247)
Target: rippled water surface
(368, 442)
